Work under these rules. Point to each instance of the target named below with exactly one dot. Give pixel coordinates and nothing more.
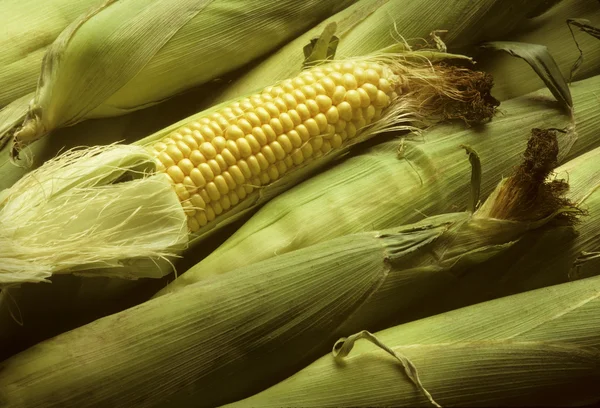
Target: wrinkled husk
(540, 348)
(129, 54)
(371, 25)
(378, 190)
(219, 342)
(28, 28)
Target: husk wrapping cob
(257, 325)
(28, 28)
(220, 163)
(125, 55)
(381, 189)
(541, 348)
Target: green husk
(378, 190)
(234, 336)
(161, 48)
(28, 28)
(540, 348)
(371, 25)
(550, 30)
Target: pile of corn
(299, 203)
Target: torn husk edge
(428, 93)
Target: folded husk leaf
(550, 30)
(162, 48)
(28, 28)
(540, 348)
(377, 189)
(371, 25)
(253, 326)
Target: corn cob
(290, 307)
(163, 47)
(541, 348)
(379, 191)
(223, 162)
(371, 25)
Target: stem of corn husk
(284, 311)
(428, 93)
(539, 348)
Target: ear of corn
(307, 298)
(541, 348)
(371, 25)
(226, 161)
(378, 190)
(161, 47)
(28, 28)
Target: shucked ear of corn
(28, 28)
(370, 25)
(233, 336)
(540, 348)
(380, 189)
(551, 30)
(219, 163)
(128, 54)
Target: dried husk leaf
(550, 30)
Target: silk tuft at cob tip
(215, 166)
(530, 194)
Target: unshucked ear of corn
(28, 28)
(233, 336)
(128, 54)
(397, 183)
(540, 348)
(219, 163)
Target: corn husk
(539, 348)
(550, 30)
(371, 25)
(377, 189)
(233, 336)
(28, 28)
(129, 54)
